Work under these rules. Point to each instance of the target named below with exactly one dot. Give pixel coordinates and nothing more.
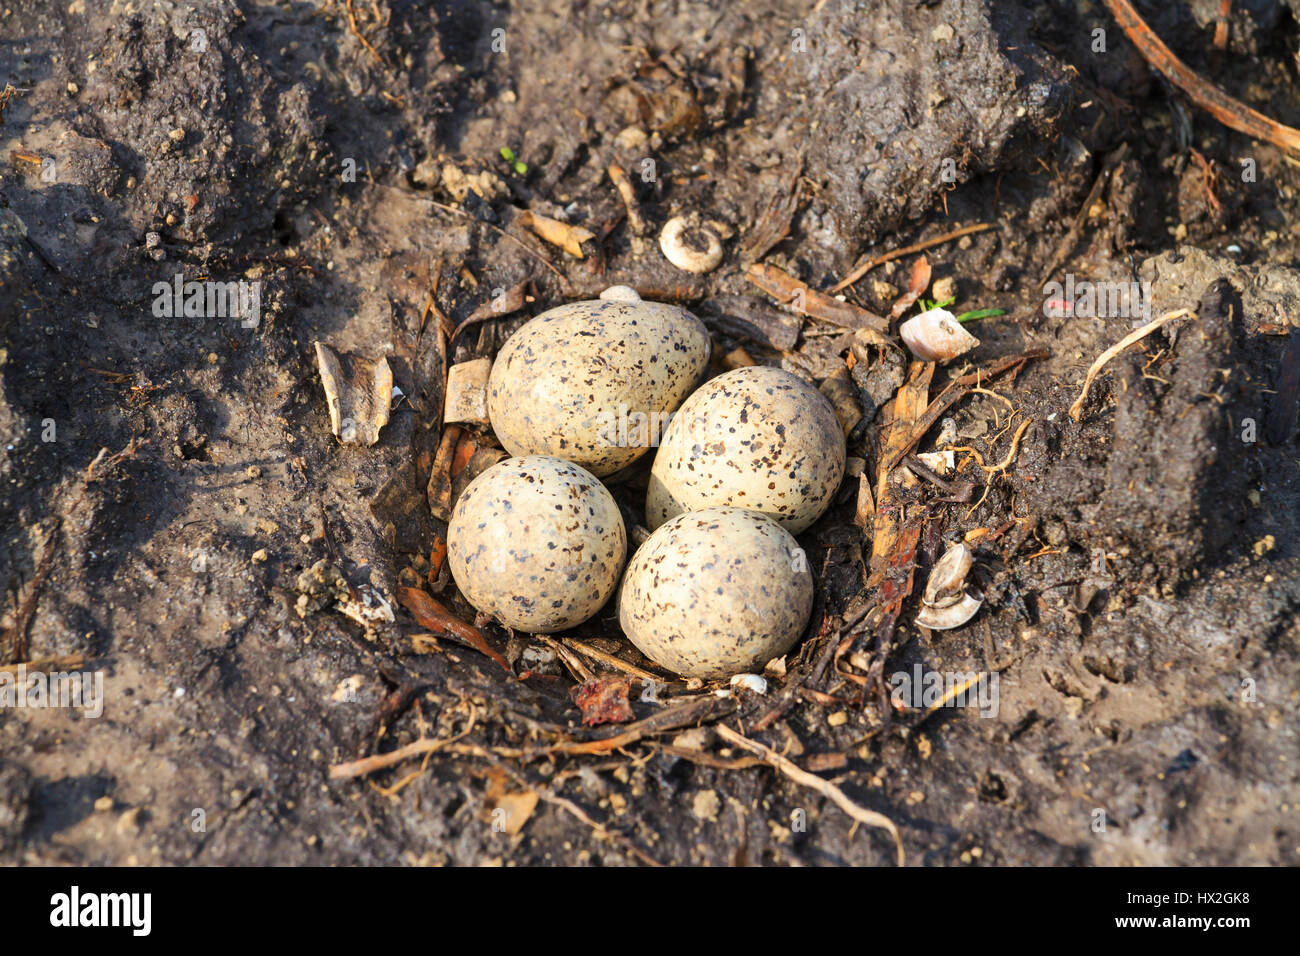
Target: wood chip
(565, 235)
(467, 393)
(798, 296)
(359, 393)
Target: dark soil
(1140, 573)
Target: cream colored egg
(716, 592)
(594, 382)
(538, 543)
(758, 438)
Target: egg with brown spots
(594, 382)
(758, 438)
(538, 543)
(716, 592)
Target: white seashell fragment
(754, 682)
(690, 246)
(936, 336)
(946, 618)
(947, 576)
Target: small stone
(631, 138)
(942, 33)
(103, 804)
(130, 822)
(944, 289)
(260, 556)
(883, 291)
(706, 805)
(466, 401)
(176, 135)
(838, 719)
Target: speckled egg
(594, 382)
(758, 438)
(716, 592)
(538, 543)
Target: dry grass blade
(1077, 408)
(827, 789)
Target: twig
(625, 191)
(827, 789)
(598, 655)
(670, 718)
(572, 660)
(1077, 408)
(1224, 108)
(957, 390)
(352, 22)
(368, 765)
(862, 269)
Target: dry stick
(1077, 408)
(572, 660)
(598, 655)
(497, 229)
(860, 270)
(827, 789)
(625, 191)
(670, 718)
(1228, 111)
(957, 390)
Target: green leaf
(980, 314)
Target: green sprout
(518, 165)
(972, 316)
(978, 314)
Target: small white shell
(755, 682)
(946, 618)
(936, 336)
(689, 246)
(943, 589)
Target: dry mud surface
(303, 146)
